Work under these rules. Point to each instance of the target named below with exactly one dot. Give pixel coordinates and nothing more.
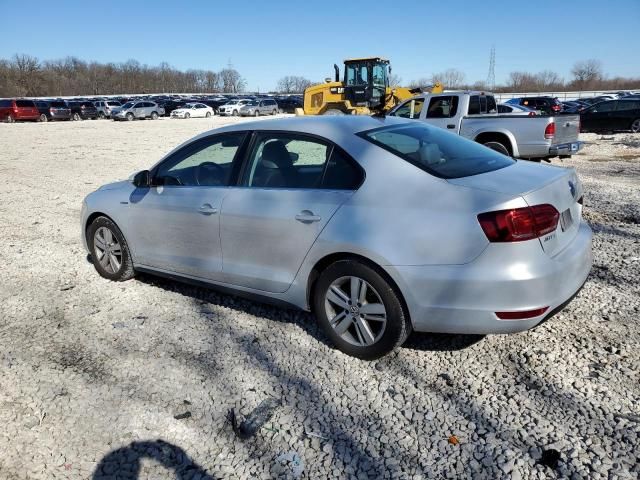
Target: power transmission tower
(491, 76)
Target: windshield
(356, 74)
(187, 105)
(127, 105)
(436, 151)
(251, 104)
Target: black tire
(101, 115)
(10, 119)
(154, 115)
(187, 115)
(275, 112)
(235, 113)
(43, 118)
(398, 326)
(125, 272)
(130, 117)
(76, 117)
(208, 115)
(635, 126)
(257, 113)
(498, 147)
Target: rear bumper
(464, 298)
(566, 148)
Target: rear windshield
(113, 104)
(58, 104)
(436, 151)
(25, 103)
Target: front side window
(410, 109)
(603, 107)
(284, 160)
(206, 162)
(443, 107)
(436, 151)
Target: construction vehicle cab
(364, 89)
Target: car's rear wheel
(208, 114)
(10, 119)
(43, 117)
(275, 112)
(154, 115)
(257, 113)
(101, 115)
(635, 125)
(187, 115)
(109, 250)
(130, 117)
(77, 117)
(359, 310)
(498, 147)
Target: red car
(12, 110)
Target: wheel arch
(498, 136)
(327, 260)
(90, 219)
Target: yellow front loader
(363, 90)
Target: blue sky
(266, 40)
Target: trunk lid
(567, 128)
(538, 184)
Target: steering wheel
(209, 174)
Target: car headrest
(276, 152)
(429, 154)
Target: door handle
(451, 126)
(307, 216)
(207, 209)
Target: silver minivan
(266, 106)
(132, 110)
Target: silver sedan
(380, 226)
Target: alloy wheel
(107, 250)
(355, 311)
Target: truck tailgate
(567, 128)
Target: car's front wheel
(130, 117)
(43, 118)
(109, 250)
(186, 115)
(154, 115)
(208, 115)
(359, 310)
(77, 117)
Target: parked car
(18, 109)
(192, 110)
(232, 107)
(493, 245)
(265, 106)
(622, 114)
(82, 110)
(469, 114)
(548, 105)
(52, 110)
(140, 110)
(506, 109)
(105, 107)
(290, 103)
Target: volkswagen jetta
(380, 226)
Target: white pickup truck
(474, 115)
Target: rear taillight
(579, 124)
(51, 109)
(521, 315)
(555, 108)
(532, 114)
(550, 131)
(519, 224)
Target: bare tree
(395, 80)
(420, 83)
(27, 74)
(587, 72)
(293, 84)
(450, 78)
(232, 81)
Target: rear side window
(341, 172)
(436, 151)
(474, 105)
(5, 103)
(443, 107)
(628, 105)
(410, 109)
(24, 103)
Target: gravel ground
(136, 380)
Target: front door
(598, 117)
(441, 112)
(175, 224)
(285, 199)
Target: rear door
(598, 117)
(291, 186)
(623, 114)
(442, 111)
(174, 225)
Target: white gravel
(92, 373)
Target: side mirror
(142, 179)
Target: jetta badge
(572, 188)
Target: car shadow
(434, 342)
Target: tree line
(26, 76)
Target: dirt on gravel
(136, 379)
